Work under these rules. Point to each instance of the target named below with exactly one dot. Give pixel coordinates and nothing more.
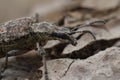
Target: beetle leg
(82, 33)
(10, 53)
(93, 23)
(40, 51)
(43, 53)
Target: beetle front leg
(42, 52)
(86, 31)
(82, 33)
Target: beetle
(21, 35)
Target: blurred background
(52, 10)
